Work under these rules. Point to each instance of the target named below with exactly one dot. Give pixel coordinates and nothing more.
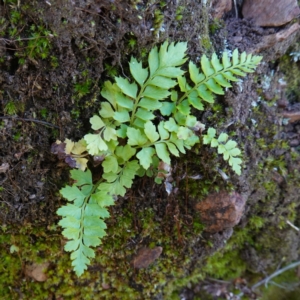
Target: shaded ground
(53, 59)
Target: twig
(235, 8)
(8, 41)
(30, 120)
(266, 280)
(292, 225)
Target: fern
(128, 142)
(83, 220)
(226, 147)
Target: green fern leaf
(144, 115)
(172, 55)
(110, 164)
(124, 101)
(229, 76)
(214, 87)
(136, 137)
(170, 72)
(150, 131)
(129, 89)
(124, 153)
(164, 135)
(96, 122)
(156, 93)
(138, 72)
(167, 108)
(223, 137)
(173, 149)
(162, 82)
(206, 66)
(184, 107)
(179, 143)
(150, 104)
(195, 100)
(205, 94)
(102, 198)
(207, 138)
(222, 81)
(153, 60)
(225, 60)
(183, 84)
(122, 116)
(71, 193)
(216, 63)
(106, 110)
(109, 92)
(195, 75)
(95, 143)
(235, 57)
(163, 153)
(145, 157)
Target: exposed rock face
(220, 7)
(293, 116)
(145, 257)
(222, 210)
(270, 12)
(272, 40)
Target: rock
(220, 7)
(4, 167)
(145, 257)
(294, 143)
(282, 103)
(270, 12)
(271, 40)
(293, 116)
(37, 271)
(222, 210)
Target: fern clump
(141, 123)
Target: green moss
(111, 275)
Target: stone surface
(293, 116)
(270, 12)
(145, 257)
(271, 40)
(220, 7)
(220, 211)
(37, 271)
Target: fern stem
(85, 202)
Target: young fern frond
(129, 142)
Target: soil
(49, 90)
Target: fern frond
(226, 147)
(127, 142)
(83, 220)
(215, 76)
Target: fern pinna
(130, 114)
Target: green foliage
(83, 220)
(226, 147)
(10, 108)
(130, 138)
